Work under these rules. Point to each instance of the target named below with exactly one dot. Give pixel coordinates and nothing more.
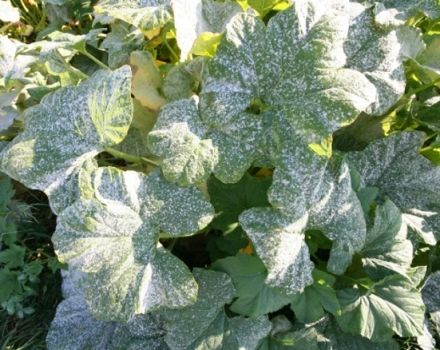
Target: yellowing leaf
(146, 80)
(248, 249)
(323, 149)
(206, 44)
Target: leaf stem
(422, 88)
(173, 53)
(94, 59)
(129, 157)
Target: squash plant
(235, 174)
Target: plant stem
(129, 157)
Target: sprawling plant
(235, 174)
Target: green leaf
(316, 299)
(210, 327)
(254, 297)
(178, 138)
(390, 306)
(112, 235)
(230, 200)
(428, 113)
(146, 15)
(13, 256)
(283, 337)
(425, 65)
(411, 181)
(338, 340)
(9, 284)
(387, 250)
(74, 328)
(69, 127)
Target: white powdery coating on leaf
(290, 74)
(397, 12)
(411, 181)
(431, 292)
(74, 328)
(378, 54)
(181, 139)
(326, 199)
(280, 243)
(112, 235)
(69, 127)
(144, 14)
(209, 324)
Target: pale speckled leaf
(263, 80)
(387, 250)
(280, 243)
(218, 14)
(147, 15)
(194, 17)
(69, 127)
(112, 235)
(122, 39)
(397, 12)
(324, 201)
(178, 137)
(254, 297)
(68, 191)
(411, 181)
(13, 65)
(182, 81)
(430, 293)
(377, 54)
(210, 328)
(74, 328)
(417, 225)
(392, 305)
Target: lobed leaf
(210, 327)
(411, 181)
(69, 127)
(147, 15)
(254, 297)
(74, 328)
(112, 235)
(388, 306)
